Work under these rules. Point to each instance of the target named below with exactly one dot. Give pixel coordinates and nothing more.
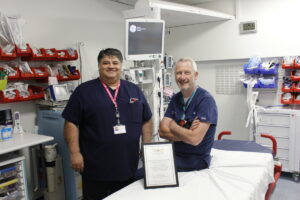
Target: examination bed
(239, 170)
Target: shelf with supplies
(261, 74)
(38, 54)
(291, 81)
(39, 64)
(42, 72)
(14, 95)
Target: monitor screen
(144, 39)
(60, 92)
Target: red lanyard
(113, 99)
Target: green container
(3, 84)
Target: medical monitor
(144, 39)
(59, 92)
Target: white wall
(220, 42)
(63, 23)
(232, 109)
(277, 35)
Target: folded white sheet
(233, 175)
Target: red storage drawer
(21, 98)
(8, 56)
(40, 72)
(296, 66)
(73, 57)
(284, 66)
(24, 52)
(62, 55)
(4, 99)
(13, 76)
(70, 77)
(295, 88)
(50, 54)
(294, 77)
(36, 56)
(283, 101)
(284, 89)
(27, 75)
(36, 92)
(296, 101)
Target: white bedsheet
(233, 175)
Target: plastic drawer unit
(12, 178)
(283, 125)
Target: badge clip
(133, 100)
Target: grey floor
(286, 188)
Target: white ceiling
(187, 2)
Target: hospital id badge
(119, 129)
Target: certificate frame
(159, 165)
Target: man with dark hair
(104, 120)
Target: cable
(117, 1)
(79, 44)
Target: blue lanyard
(186, 105)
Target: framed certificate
(159, 165)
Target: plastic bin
(40, 72)
(35, 57)
(284, 66)
(254, 70)
(296, 101)
(8, 186)
(294, 77)
(296, 66)
(24, 52)
(272, 84)
(62, 55)
(271, 71)
(70, 77)
(284, 89)
(73, 57)
(49, 56)
(8, 172)
(283, 101)
(27, 75)
(14, 76)
(8, 56)
(35, 92)
(4, 99)
(295, 88)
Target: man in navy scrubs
(104, 120)
(190, 120)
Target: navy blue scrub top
(203, 105)
(108, 157)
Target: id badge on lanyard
(118, 128)
(183, 122)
